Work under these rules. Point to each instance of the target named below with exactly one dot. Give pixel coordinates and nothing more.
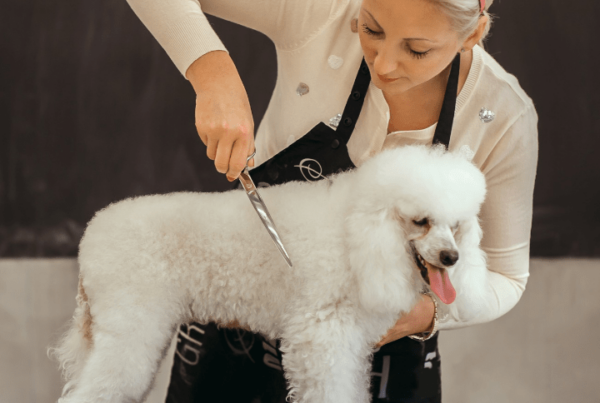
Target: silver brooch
(302, 89)
(486, 115)
(335, 121)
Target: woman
(418, 55)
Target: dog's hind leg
(327, 360)
(130, 335)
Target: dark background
(93, 111)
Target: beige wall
(545, 350)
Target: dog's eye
(421, 222)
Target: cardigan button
(335, 62)
(364, 69)
(273, 173)
(335, 144)
(347, 122)
(356, 95)
(302, 89)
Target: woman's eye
(419, 55)
(369, 31)
(421, 222)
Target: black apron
(231, 365)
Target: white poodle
(363, 245)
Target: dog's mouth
(436, 277)
(422, 265)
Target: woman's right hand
(223, 115)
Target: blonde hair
(464, 15)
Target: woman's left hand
(419, 320)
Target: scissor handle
(250, 157)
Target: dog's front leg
(326, 360)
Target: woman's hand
(419, 320)
(223, 115)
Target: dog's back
(149, 263)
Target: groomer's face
(406, 42)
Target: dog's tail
(73, 347)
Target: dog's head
(416, 207)
(437, 247)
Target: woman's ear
(476, 35)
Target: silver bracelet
(428, 335)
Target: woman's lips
(386, 80)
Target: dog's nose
(448, 257)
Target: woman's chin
(395, 87)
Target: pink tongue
(440, 284)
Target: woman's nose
(385, 62)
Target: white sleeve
(182, 29)
(506, 217)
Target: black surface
(92, 111)
(443, 129)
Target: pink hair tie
(482, 5)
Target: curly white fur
(150, 263)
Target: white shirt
(316, 46)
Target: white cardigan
(316, 46)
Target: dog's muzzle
(437, 277)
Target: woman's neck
(420, 107)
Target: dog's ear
(377, 253)
(470, 274)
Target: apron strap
(444, 126)
(354, 104)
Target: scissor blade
(263, 213)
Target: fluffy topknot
(423, 181)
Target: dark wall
(551, 46)
(93, 111)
